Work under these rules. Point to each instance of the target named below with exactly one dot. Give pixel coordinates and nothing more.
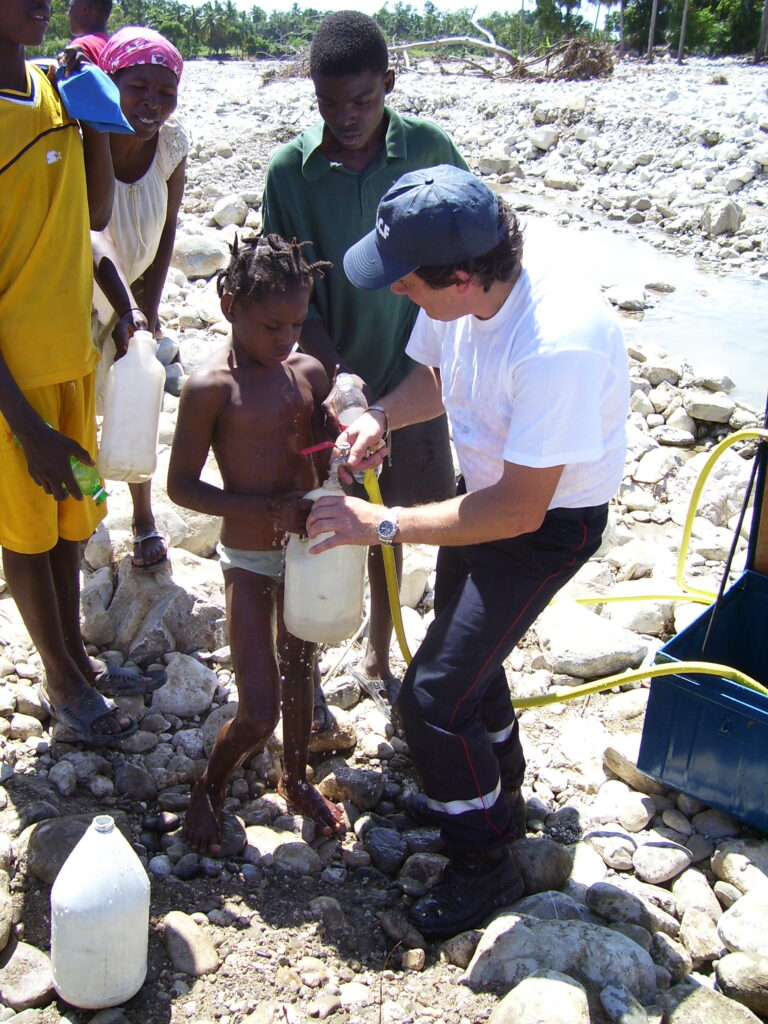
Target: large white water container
(100, 920)
(323, 593)
(133, 397)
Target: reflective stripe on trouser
(455, 702)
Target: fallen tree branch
(481, 28)
(493, 48)
(570, 60)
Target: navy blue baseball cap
(435, 216)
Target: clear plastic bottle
(88, 480)
(349, 403)
(348, 400)
(100, 920)
(133, 397)
(324, 593)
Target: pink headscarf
(134, 45)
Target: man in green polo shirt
(325, 185)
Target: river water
(713, 320)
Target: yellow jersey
(46, 266)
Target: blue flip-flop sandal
(79, 715)
(116, 681)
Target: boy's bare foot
(201, 829)
(312, 804)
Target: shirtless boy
(256, 403)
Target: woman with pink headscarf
(133, 254)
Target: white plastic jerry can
(133, 398)
(324, 594)
(100, 920)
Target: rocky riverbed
(642, 904)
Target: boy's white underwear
(264, 563)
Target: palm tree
(762, 46)
(612, 3)
(683, 29)
(652, 31)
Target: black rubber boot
(472, 887)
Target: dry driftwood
(571, 60)
(481, 44)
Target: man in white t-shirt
(532, 371)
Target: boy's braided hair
(265, 265)
(346, 43)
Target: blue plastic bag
(92, 97)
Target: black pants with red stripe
(455, 702)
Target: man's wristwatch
(387, 529)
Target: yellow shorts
(31, 521)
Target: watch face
(387, 530)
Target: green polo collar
(314, 164)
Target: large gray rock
(671, 955)
(711, 407)
(743, 863)
(742, 926)
(657, 465)
(199, 255)
(95, 596)
(42, 848)
(6, 912)
(551, 906)
(698, 933)
(514, 947)
(621, 1006)
(230, 209)
(189, 689)
(191, 950)
(543, 863)
(266, 847)
(617, 904)
(658, 862)
(720, 217)
(579, 643)
(692, 891)
(692, 1003)
(342, 782)
(217, 718)
(545, 996)
(153, 615)
(26, 979)
(744, 977)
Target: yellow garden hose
(706, 469)
(373, 491)
(687, 593)
(671, 669)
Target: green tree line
(218, 28)
(713, 27)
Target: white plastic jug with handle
(133, 397)
(100, 920)
(323, 593)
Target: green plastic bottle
(88, 480)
